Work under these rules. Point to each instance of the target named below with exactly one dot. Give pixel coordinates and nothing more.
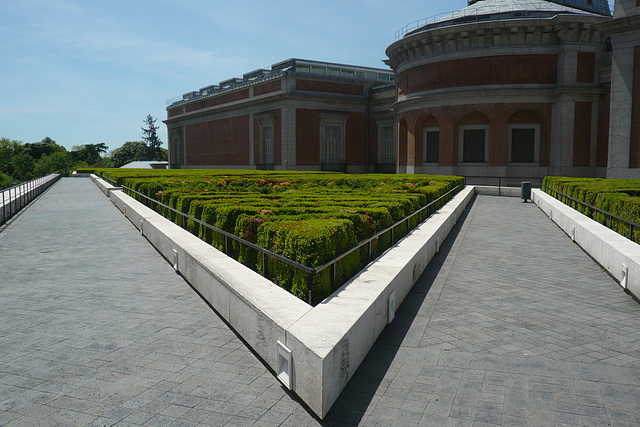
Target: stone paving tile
(97, 329)
(511, 324)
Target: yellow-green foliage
(308, 217)
(620, 197)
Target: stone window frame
(385, 124)
(461, 130)
(174, 149)
(536, 149)
(266, 121)
(426, 130)
(333, 120)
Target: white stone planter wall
(608, 248)
(327, 342)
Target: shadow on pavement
(351, 406)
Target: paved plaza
(511, 324)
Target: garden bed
(310, 218)
(619, 197)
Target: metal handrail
(23, 194)
(610, 215)
(406, 220)
(467, 13)
(311, 271)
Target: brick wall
(174, 111)
(322, 86)
(219, 142)
(494, 70)
(355, 139)
(449, 118)
(272, 86)
(307, 137)
(586, 67)
(582, 134)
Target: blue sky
(83, 72)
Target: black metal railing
(503, 181)
(17, 197)
(173, 215)
(606, 218)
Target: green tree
(45, 147)
(131, 151)
(150, 137)
(89, 153)
(22, 165)
(5, 181)
(59, 161)
(15, 161)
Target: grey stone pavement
(511, 324)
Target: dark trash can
(525, 191)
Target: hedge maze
(620, 197)
(309, 217)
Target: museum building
(501, 88)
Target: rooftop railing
(17, 197)
(471, 15)
(605, 218)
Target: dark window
(432, 148)
(473, 145)
(523, 145)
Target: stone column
(624, 31)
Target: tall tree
(129, 152)
(45, 147)
(89, 153)
(150, 136)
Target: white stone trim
(388, 122)
(536, 151)
(266, 120)
(426, 130)
(461, 130)
(338, 120)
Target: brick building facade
(509, 88)
(299, 115)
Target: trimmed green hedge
(308, 217)
(620, 197)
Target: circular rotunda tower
(505, 88)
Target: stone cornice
(496, 34)
(486, 95)
(622, 25)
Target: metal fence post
(264, 265)
(333, 276)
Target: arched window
(473, 139)
(524, 138)
(430, 144)
(428, 129)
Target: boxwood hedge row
(620, 197)
(309, 217)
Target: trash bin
(525, 191)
